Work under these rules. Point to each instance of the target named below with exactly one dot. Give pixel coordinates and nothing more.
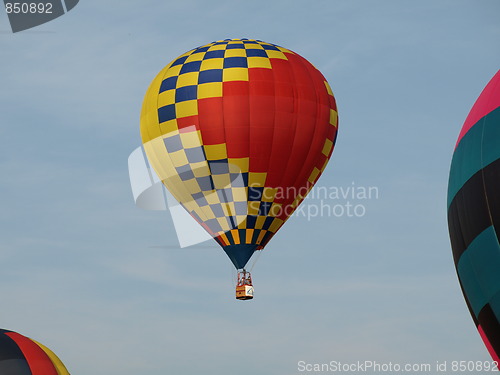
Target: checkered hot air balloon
(20, 355)
(474, 213)
(239, 131)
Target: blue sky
(104, 283)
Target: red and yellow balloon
(20, 355)
(239, 131)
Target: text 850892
(28, 8)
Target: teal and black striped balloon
(474, 213)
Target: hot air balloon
(474, 213)
(20, 355)
(239, 131)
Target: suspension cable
(256, 259)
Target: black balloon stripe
(12, 360)
(491, 327)
(491, 177)
(469, 212)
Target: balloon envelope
(474, 213)
(20, 355)
(239, 131)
